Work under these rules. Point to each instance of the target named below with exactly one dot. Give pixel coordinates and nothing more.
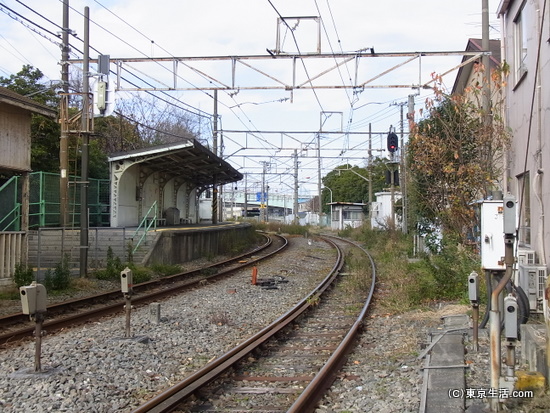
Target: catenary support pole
(85, 148)
(64, 139)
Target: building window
(524, 204)
(352, 215)
(520, 46)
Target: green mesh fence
(44, 201)
(10, 205)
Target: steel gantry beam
(182, 69)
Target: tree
(455, 158)
(350, 183)
(116, 134)
(155, 123)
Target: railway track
(15, 327)
(288, 365)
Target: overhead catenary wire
(170, 54)
(2, 5)
(242, 116)
(59, 45)
(299, 53)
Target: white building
(525, 34)
(346, 214)
(382, 211)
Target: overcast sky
(161, 28)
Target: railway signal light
(393, 142)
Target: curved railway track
(80, 310)
(288, 365)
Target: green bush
(60, 278)
(451, 268)
(130, 252)
(112, 269)
(422, 286)
(140, 274)
(439, 276)
(23, 275)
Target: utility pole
(221, 195)
(263, 198)
(85, 131)
(245, 196)
(319, 174)
(402, 171)
(215, 150)
(370, 175)
(295, 187)
(64, 139)
(486, 61)
(404, 174)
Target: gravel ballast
(93, 368)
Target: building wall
(15, 138)
(382, 211)
(130, 204)
(528, 116)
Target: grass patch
(359, 272)
(10, 294)
(405, 284)
(165, 270)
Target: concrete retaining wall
(176, 247)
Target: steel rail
(169, 399)
(57, 324)
(314, 391)
(137, 287)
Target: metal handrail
(16, 208)
(13, 178)
(146, 226)
(17, 214)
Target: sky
(257, 125)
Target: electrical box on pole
(492, 235)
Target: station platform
(169, 244)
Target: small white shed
(346, 214)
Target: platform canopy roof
(186, 159)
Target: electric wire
(354, 94)
(332, 50)
(41, 15)
(28, 20)
(243, 122)
(19, 55)
(59, 45)
(299, 53)
(196, 111)
(170, 54)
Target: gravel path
(95, 369)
